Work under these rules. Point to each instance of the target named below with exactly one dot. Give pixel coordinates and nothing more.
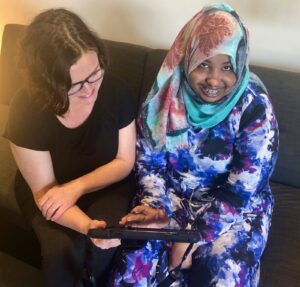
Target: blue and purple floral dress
(218, 185)
(207, 165)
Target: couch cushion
(280, 262)
(15, 273)
(10, 79)
(153, 63)
(128, 62)
(7, 167)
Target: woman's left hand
(177, 253)
(145, 216)
(58, 199)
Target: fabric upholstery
(10, 79)
(280, 264)
(284, 91)
(7, 167)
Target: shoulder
(23, 109)
(114, 84)
(116, 94)
(25, 124)
(21, 100)
(255, 96)
(255, 104)
(23, 103)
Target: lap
(232, 259)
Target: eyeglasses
(93, 78)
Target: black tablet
(191, 236)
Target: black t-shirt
(75, 151)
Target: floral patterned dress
(219, 185)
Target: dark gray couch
(138, 66)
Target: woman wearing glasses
(72, 134)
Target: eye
(203, 65)
(227, 68)
(95, 76)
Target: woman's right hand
(102, 243)
(145, 216)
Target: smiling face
(213, 79)
(85, 71)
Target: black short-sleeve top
(75, 151)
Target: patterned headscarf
(172, 106)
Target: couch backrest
(139, 65)
(284, 90)
(10, 79)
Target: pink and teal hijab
(171, 106)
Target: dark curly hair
(53, 42)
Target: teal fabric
(172, 107)
(204, 115)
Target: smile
(212, 92)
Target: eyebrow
(98, 66)
(224, 63)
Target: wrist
(79, 187)
(84, 228)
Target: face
(213, 79)
(86, 76)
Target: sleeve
(23, 127)
(127, 106)
(255, 154)
(150, 169)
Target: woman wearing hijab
(207, 146)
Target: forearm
(74, 218)
(103, 176)
(150, 172)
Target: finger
(111, 243)
(106, 243)
(98, 224)
(123, 221)
(45, 210)
(44, 200)
(58, 213)
(50, 212)
(140, 209)
(135, 218)
(127, 217)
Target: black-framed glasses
(91, 79)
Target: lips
(212, 93)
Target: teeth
(212, 92)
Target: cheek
(194, 78)
(97, 87)
(230, 81)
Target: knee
(62, 245)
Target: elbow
(127, 165)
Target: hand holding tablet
(172, 235)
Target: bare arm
(115, 170)
(52, 199)
(37, 169)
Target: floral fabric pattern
(207, 165)
(218, 185)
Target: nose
(87, 88)
(213, 78)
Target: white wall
(274, 24)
